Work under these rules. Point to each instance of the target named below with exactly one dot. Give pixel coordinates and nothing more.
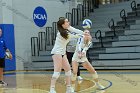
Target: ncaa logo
(40, 16)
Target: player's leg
(67, 69)
(94, 74)
(74, 76)
(2, 66)
(78, 74)
(57, 59)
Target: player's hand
(80, 54)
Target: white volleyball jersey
(60, 42)
(82, 47)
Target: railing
(34, 46)
(100, 37)
(111, 1)
(111, 25)
(92, 4)
(80, 9)
(54, 29)
(49, 34)
(74, 17)
(41, 36)
(69, 16)
(134, 7)
(85, 8)
(123, 16)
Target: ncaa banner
(40, 16)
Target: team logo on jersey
(40, 16)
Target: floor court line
(44, 73)
(119, 85)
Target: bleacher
(119, 47)
(115, 32)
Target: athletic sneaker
(100, 86)
(2, 83)
(70, 90)
(79, 78)
(52, 91)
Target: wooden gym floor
(117, 81)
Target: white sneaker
(52, 91)
(79, 78)
(100, 86)
(70, 90)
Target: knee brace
(95, 75)
(68, 73)
(55, 75)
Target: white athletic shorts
(79, 60)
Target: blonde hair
(87, 38)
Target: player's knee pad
(68, 73)
(95, 75)
(74, 76)
(55, 75)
